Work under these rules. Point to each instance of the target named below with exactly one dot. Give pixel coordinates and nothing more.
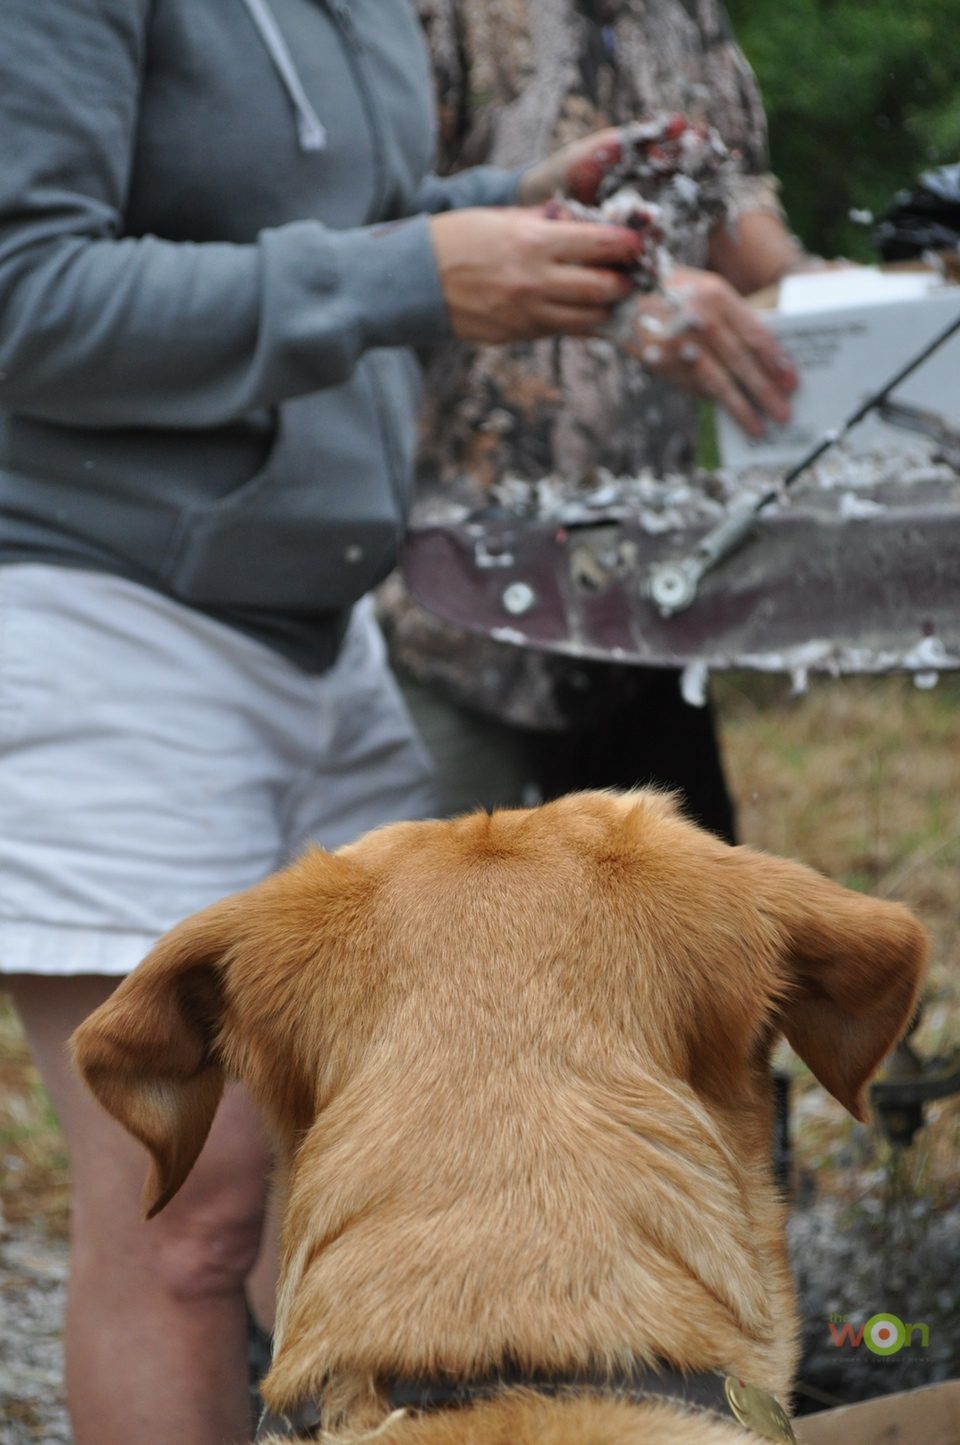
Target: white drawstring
(310, 132)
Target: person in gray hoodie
(219, 239)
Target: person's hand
(707, 340)
(514, 275)
(575, 170)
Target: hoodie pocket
(319, 523)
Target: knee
(208, 1250)
(204, 1250)
(204, 1243)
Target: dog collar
(724, 1396)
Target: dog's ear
(853, 970)
(149, 1052)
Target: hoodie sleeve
(102, 330)
(479, 186)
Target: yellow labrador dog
(517, 1066)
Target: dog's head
(598, 917)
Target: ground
(861, 779)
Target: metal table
(856, 570)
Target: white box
(848, 333)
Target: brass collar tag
(755, 1410)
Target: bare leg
(156, 1312)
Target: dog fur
(517, 1068)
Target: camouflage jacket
(515, 79)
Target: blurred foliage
(861, 96)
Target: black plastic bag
(925, 217)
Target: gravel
(33, 1273)
(882, 1254)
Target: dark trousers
(629, 726)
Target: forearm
(755, 251)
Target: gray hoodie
(209, 277)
